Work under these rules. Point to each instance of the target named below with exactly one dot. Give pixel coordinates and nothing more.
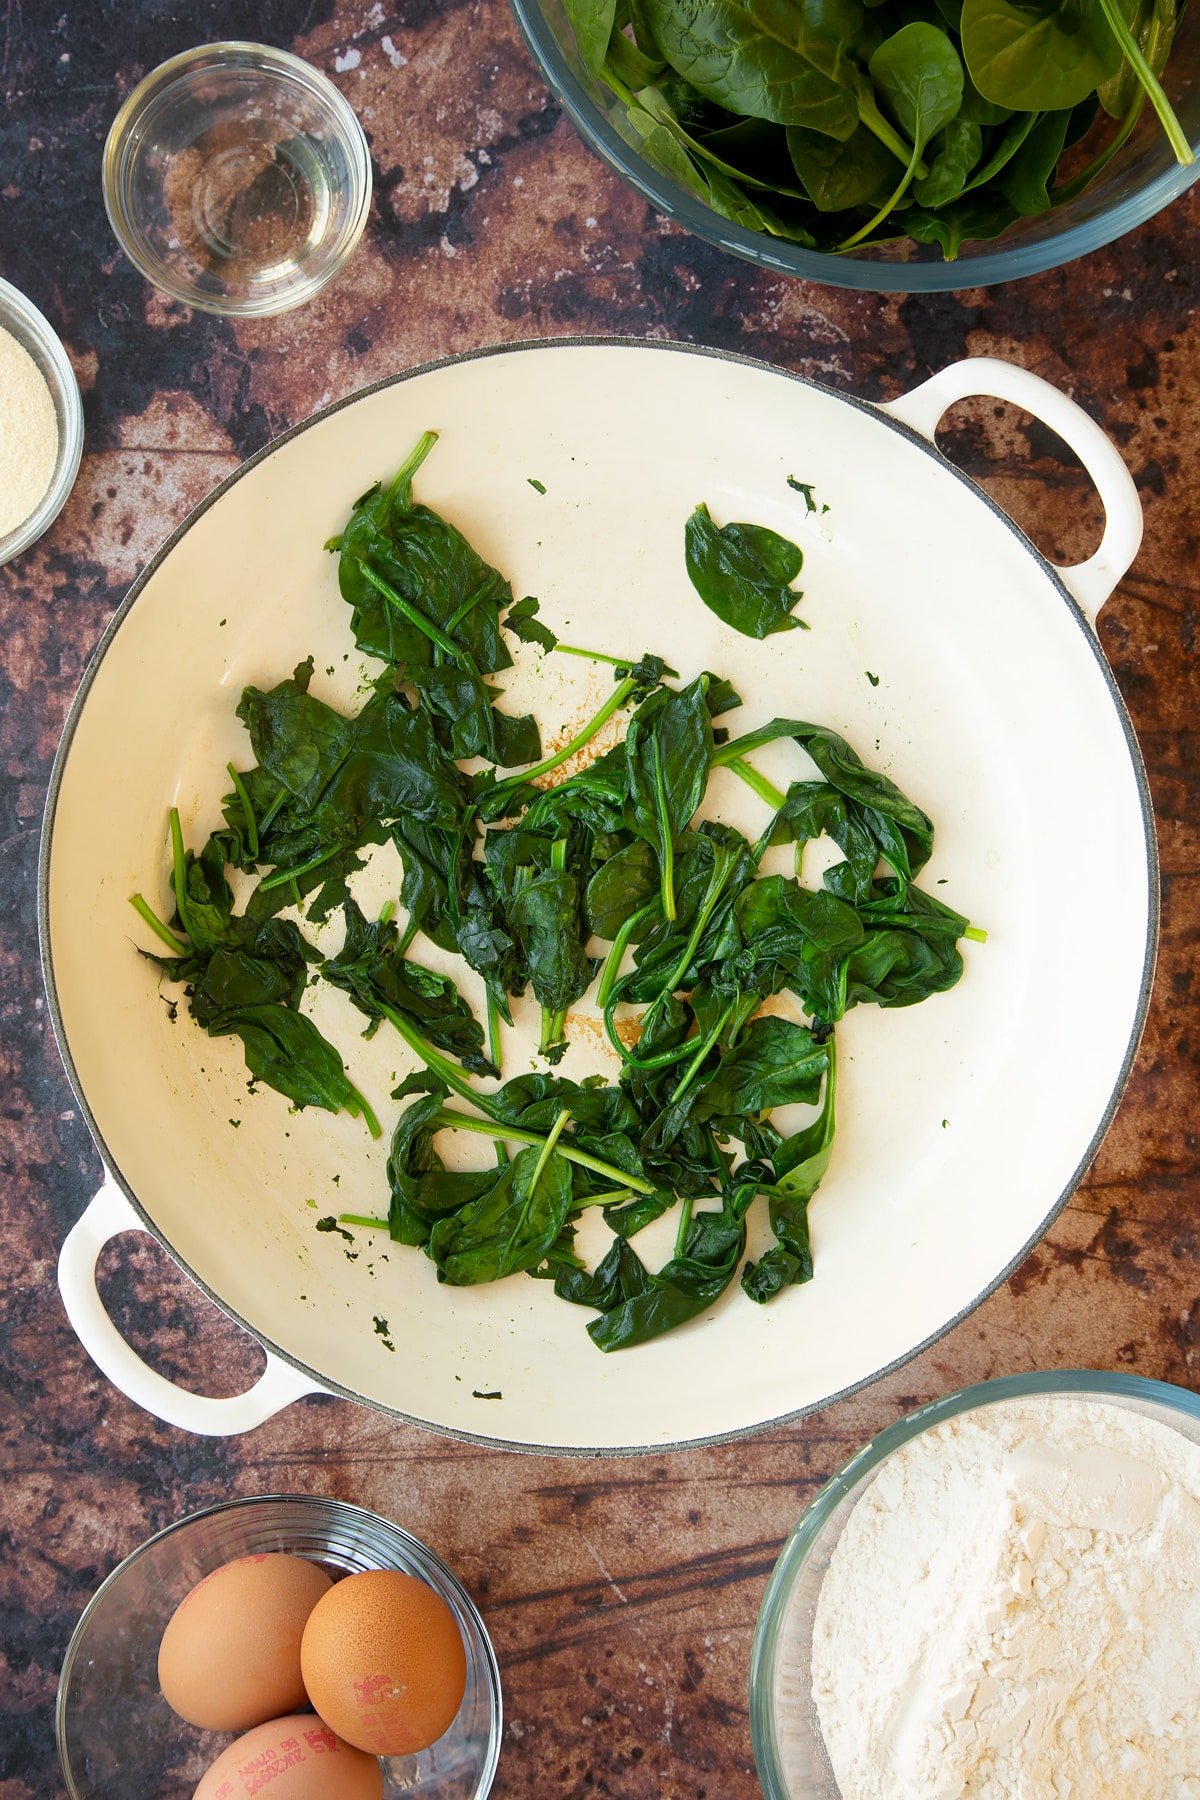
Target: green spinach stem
(614, 662)
(447, 1119)
(1071, 189)
(179, 870)
(436, 1063)
(495, 1050)
(145, 911)
(547, 1151)
(875, 122)
(553, 1022)
(706, 1043)
(239, 788)
(612, 963)
(363, 1220)
(360, 1105)
(856, 237)
(281, 877)
(610, 1197)
(1134, 55)
(665, 834)
(269, 816)
(746, 772)
(433, 632)
(717, 883)
(401, 483)
(615, 701)
(685, 1224)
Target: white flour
(1012, 1612)
(28, 434)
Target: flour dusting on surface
(1013, 1609)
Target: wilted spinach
(705, 954)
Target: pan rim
(872, 410)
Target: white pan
(964, 1123)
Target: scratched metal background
(621, 1596)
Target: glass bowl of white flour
(998, 1596)
(41, 423)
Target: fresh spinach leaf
(957, 148)
(1026, 178)
(725, 52)
(592, 22)
(841, 176)
(1042, 58)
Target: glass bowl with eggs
(298, 1643)
(997, 1592)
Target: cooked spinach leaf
(744, 574)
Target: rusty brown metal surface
(621, 1594)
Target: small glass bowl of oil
(237, 179)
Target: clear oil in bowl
(247, 206)
(237, 178)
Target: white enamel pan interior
(964, 1123)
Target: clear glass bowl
(119, 1740)
(788, 1746)
(22, 320)
(1141, 179)
(237, 179)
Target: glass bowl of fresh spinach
(892, 147)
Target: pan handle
(1090, 582)
(107, 1215)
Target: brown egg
(230, 1656)
(292, 1759)
(384, 1663)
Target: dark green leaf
(719, 47)
(668, 752)
(513, 1225)
(955, 151)
(838, 176)
(285, 1050)
(521, 619)
(620, 887)
(546, 917)
(774, 1063)
(371, 968)
(743, 573)
(1026, 178)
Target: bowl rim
(1089, 1384)
(345, 1510)
(828, 270)
(122, 137)
(19, 312)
